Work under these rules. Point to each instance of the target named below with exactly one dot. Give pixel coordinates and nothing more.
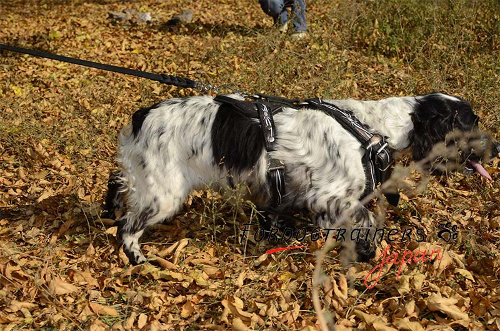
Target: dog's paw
(365, 250)
(135, 257)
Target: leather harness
(377, 159)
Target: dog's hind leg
(148, 205)
(115, 197)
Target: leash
(161, 78)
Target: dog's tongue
(479, 168)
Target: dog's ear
(436, 115)
(464, 117)
(430, 125)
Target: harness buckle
(275, 164)
(384, 159)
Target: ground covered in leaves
(59, 267)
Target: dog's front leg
(350, 217)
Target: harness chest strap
(377, 159)
(264, 112)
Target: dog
(182, 144)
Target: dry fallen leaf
(238, 325)
(142, 320)
(15, 306)
(187, 309)
(465, 273)
(102, 310)
(436, 302)
(406, 325)
(59, 287)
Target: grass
(60, 122)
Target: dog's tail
(115, 198)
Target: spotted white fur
(168, 151)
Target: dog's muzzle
(474, 166)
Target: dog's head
(439, 117)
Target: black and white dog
(182, 144)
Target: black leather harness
(377, 159)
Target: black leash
(162, 78)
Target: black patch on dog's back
(237, 140)
(139, 117)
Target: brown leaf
(465, 273)
(183, 243)
(59, 287)
(65, 227)
(128, 324)
(443, 263)
(142, 320)
(235, 306)
(417, 281)
(187, 309)
(404, 285)
(17, 305)
(164, 263)
(102, 310)
(14, 272)
(447, 306)
(376, 322)
(406, 325)
(262, 260)
(98, 325)
(238, 325)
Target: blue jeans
(277, 10)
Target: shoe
(299, 35)
(283, 27)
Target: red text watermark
(392, 259)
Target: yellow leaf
(286, 276)
(54, 34)
(200, 277)
(17, 90)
